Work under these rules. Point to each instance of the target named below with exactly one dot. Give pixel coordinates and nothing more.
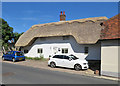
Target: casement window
(64, 50)
(65, 37)
(86, 50)
(40, 50)
(25, 51)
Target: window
(8, 53)
(25, 51)
(64, 50)
(58, 56)
(86, 50)
(19, 54)
(40, 50)
(66, 57)
(11, 53)
(65, 37)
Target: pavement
(19, 74)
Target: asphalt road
(16, 74)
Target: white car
(70, 61)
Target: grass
(37, 58)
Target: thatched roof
(85, 31)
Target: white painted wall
(58, 42)
(109, 58)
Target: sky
(22, 15)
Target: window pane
(66, 57)
(86, 50)
(62, 50)
(66, 50)
(58, 56)
(25, 51)
(40, 50)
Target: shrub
(37, 58)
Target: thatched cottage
(79, 37)
(91, 38)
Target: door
(59, 60)
(68, 63)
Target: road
(17, 74)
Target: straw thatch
(85, 31)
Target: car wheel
(3, 58)
(52, 65)
(13, 59)
(78, 67)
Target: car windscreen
(73, 57)
(19, 53)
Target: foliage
(37, 58)
(6, 34)
(6, 31)
(16, 36)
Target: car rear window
(19, 53)
(58, 56)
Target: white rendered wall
(59, 43)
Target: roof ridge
(71, 21)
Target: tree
(7, 33)
(16, 36)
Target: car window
(11, 53)
(73, 57)
(66, 57)
(8, 53)
(19, 53)
(58, 56)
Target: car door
(58, 59)
(68, 63)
